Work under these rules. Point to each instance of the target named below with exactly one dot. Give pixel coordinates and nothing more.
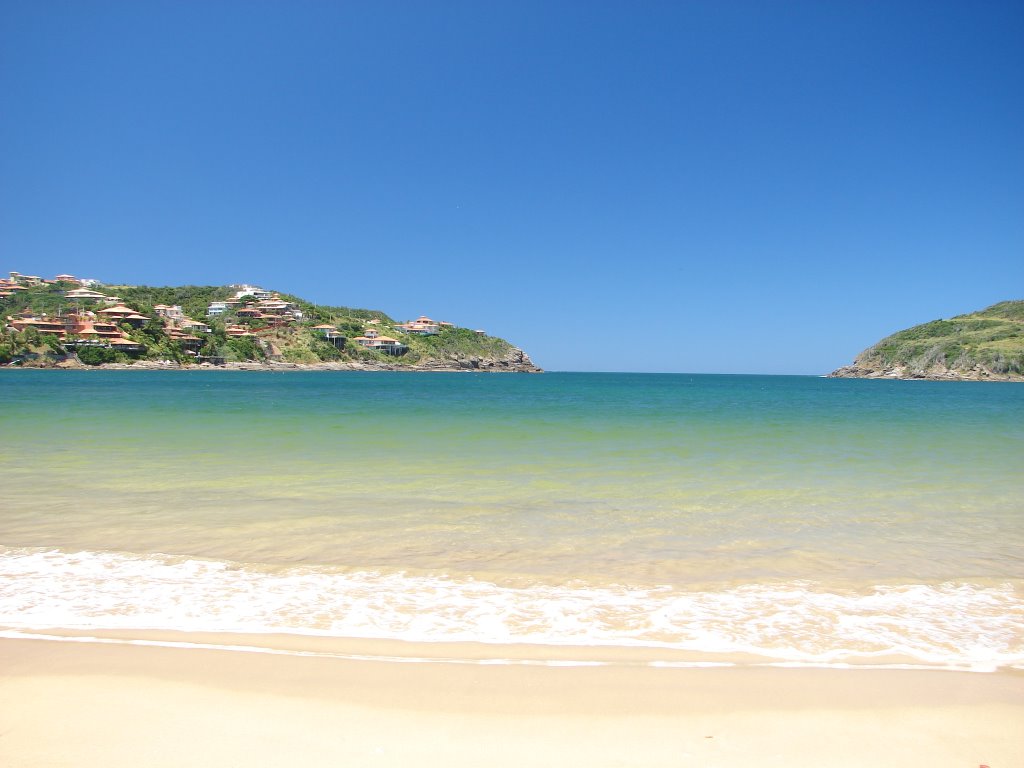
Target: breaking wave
(949, 625)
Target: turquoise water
(802, 519)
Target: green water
(692, 483)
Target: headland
(987, 345)
(67, 322)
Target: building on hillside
(83, 294)
(251, 290)
(189, 344)
(422, 326)
(76, 329)
(194, 326)
(330, 334)
(373, 340)
(216, 308)
(46, 324)
(90, 330)
(124, 344)
(278, 307)
(27, 280)
(175, 317)
(171, 312)
(9, 287)
(123, 314)
(67, 279)
(274, 306)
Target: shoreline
(901, 374)
(276, 367)
(129, 705)
(475, 652)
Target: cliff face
(987, 345)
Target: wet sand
(89, 704)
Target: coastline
(281, 367)
(122, 705)
(903, 374)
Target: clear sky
(764, 187)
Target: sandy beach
(560, 570)
(89, 704)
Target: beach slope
(88, 704)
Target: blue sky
(764, 187)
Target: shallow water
(800, 518)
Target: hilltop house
(28, 280)
(251, 290)
(422, 326)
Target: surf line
(12, 634)
(18, 635)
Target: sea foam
(950, 624)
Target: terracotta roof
(120, 309)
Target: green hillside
(291, 338)
(984, 344)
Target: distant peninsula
(987, 345)
(68, 322)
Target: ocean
(712, 519)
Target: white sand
(74, 704)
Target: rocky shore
(516, 361)
(932, 373)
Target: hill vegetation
(227, 335)
(988, 344)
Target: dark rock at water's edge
(987, 345)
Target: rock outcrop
(514, 361)
(936, 372)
